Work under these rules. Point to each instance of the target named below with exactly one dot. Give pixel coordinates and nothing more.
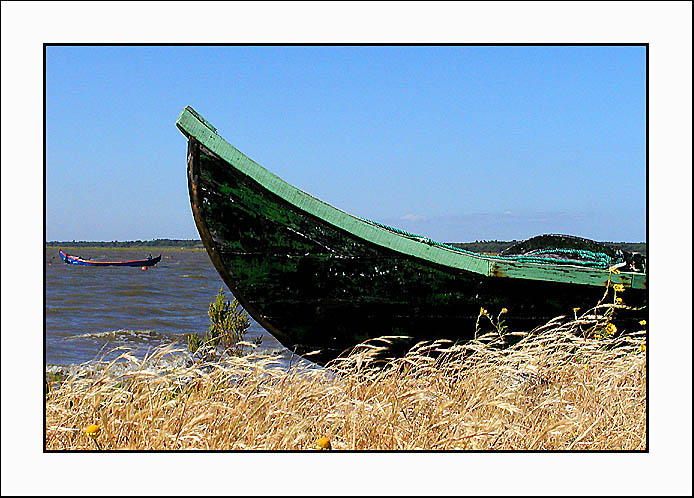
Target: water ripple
(88, 307)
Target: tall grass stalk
(555, 389)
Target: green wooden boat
(319, 278)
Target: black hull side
(314, 286)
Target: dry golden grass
(553, 390)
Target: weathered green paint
(316, 286)
(638, 281)
(194, 126)
(558, 273)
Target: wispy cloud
(413, 217)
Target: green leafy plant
(228, 325)
(194, 342)
(228, 321)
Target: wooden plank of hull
(316, 286)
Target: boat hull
(74, 260)
(315, 286)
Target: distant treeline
(496, 246)
(483, 246)
(129, 243)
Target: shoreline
(77, 249)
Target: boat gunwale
(193, 126)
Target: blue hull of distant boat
(76, 260)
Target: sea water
(90, 311)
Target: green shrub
(228, 321)
(194, 342)
(228, 325)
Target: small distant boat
(76, 260)
(319, 278)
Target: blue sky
(456, 143)
(594, 105)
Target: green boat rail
(591, 258)
(594, 268)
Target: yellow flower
(619, 300)
(93, 431)
(323, 444)
(611, 328)
(618, 288)
(576, 310)
(504, 310)
(642, 347)
(614, 270)
(483, 312)
(642, 323)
